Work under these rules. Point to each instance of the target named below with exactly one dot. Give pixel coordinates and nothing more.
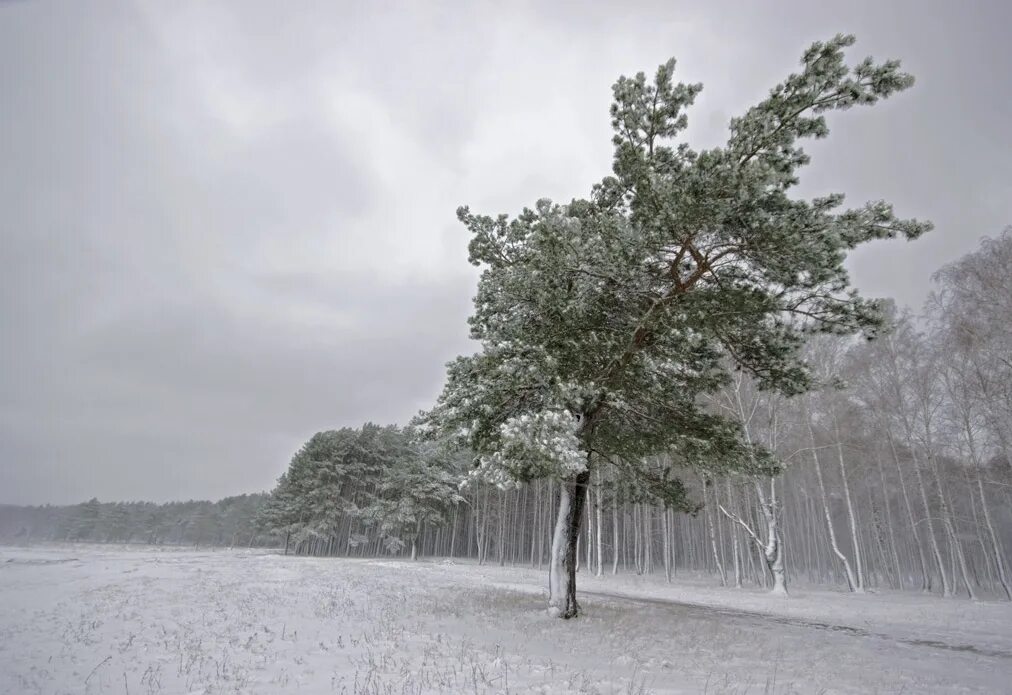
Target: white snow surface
(141, 620)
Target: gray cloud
(226, 226)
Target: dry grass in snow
(141, 620)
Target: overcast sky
(224, 227)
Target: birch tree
(748, 406)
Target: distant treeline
(227, 522)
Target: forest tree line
(895, 473)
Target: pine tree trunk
(667, 545)
(627, 553)
(501, 544)
(590, 529)
(562, 567)
(648, 535)
(535, 522)
(600, 556)
(483, 529)
(615, 539)
(720, 532)
(453, 532)
(634, 521)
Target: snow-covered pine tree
(351, 488)
(415, 488)
(603, 320)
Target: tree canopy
(379, 478)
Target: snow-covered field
(87, 619)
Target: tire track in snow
(754, 617)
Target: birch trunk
(890, 527)
(925, 575)
(951, 530)
(774, 548)
(851, 516)
(851, 580)
(999, 558)
(708, 511)
(946, 586)
(735, 550)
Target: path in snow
(979, 627)
(756, 618)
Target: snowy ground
(87, 619)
